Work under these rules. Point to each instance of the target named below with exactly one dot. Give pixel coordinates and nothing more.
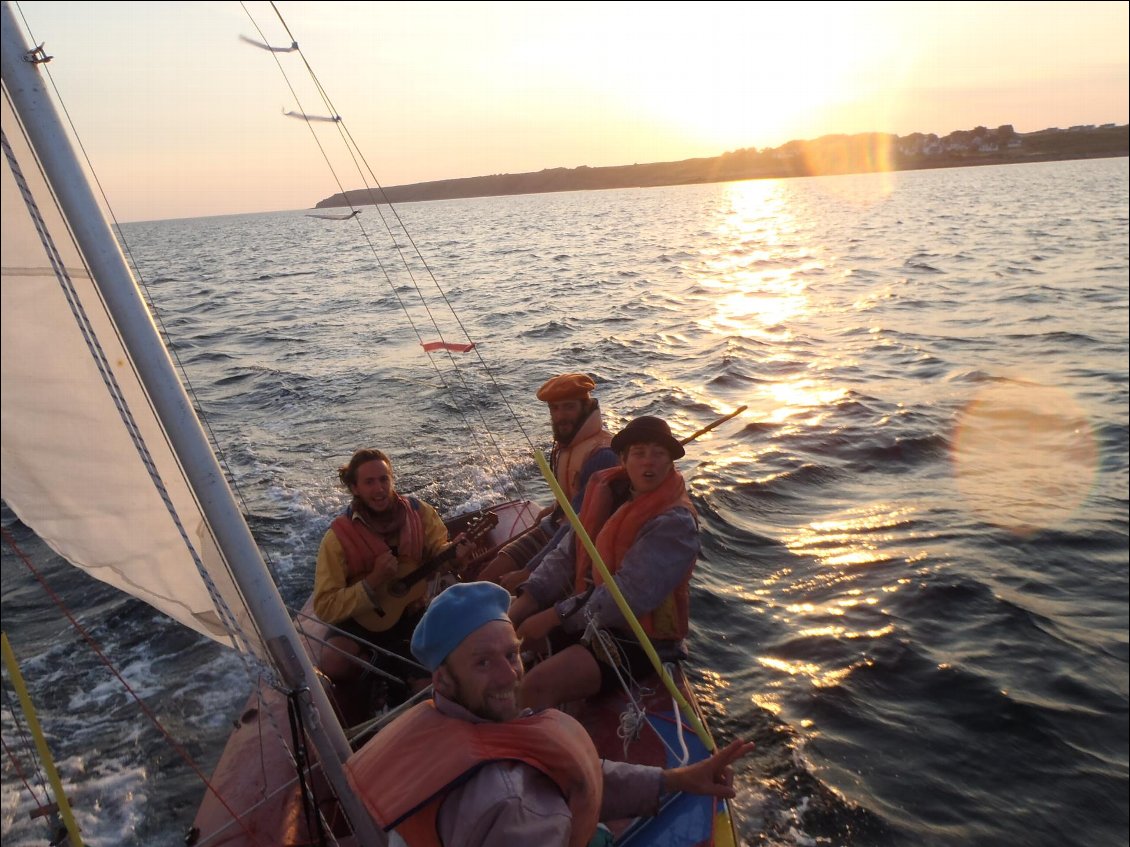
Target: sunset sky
(182, 119)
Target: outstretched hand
(713, 776)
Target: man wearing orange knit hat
(580, 448)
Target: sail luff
(25, 87)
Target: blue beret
(453, 615)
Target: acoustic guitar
(391, 598)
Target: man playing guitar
(374, 564)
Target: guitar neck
(476, 529)
(424, 571)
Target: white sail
(101, 453)
(86, 463)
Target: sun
(750, 75)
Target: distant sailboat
(352, 214)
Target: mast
(28, 93)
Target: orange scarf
(363, 546)
(614, 533)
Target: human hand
(384, 569)
(511, 581)
(464, 551)
(713, 776)
(521, 607)
(538, 626)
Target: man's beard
(565, 433)
(481, 710)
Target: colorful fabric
(363, 546)
(337, 598)
(574, 386)
(453, 615)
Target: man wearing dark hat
(644, 527)
(469, 768)
(580, 448)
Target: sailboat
(91, 396)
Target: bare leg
(511, 581)
(572, 674)
(337, 667)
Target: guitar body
(394, 598)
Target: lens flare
(1024, 456)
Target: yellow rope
(625, 609)
(40, 741)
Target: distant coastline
(831, 154)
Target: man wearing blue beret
(469, 768)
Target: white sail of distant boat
(102, 453)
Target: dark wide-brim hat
(566, 387)
(647, 430)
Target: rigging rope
(634, 717)
(622, 604)
(302, 763)
(113, 387)
(149, 714)
(25, 744)
(378, 198)
(255, 669)
(227, 618)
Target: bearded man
(580, 448)
(470, 769)
(382, 536)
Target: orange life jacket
(614, 533)
(404, 773)
(362, 546)
(569, 460)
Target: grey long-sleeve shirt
(662, 556)
(514, 803)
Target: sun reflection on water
(853, 541)
(802, 396)
(756, 276)
(753, 271)
(835, 607)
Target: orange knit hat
(566, 387)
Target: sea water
(913, 586)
